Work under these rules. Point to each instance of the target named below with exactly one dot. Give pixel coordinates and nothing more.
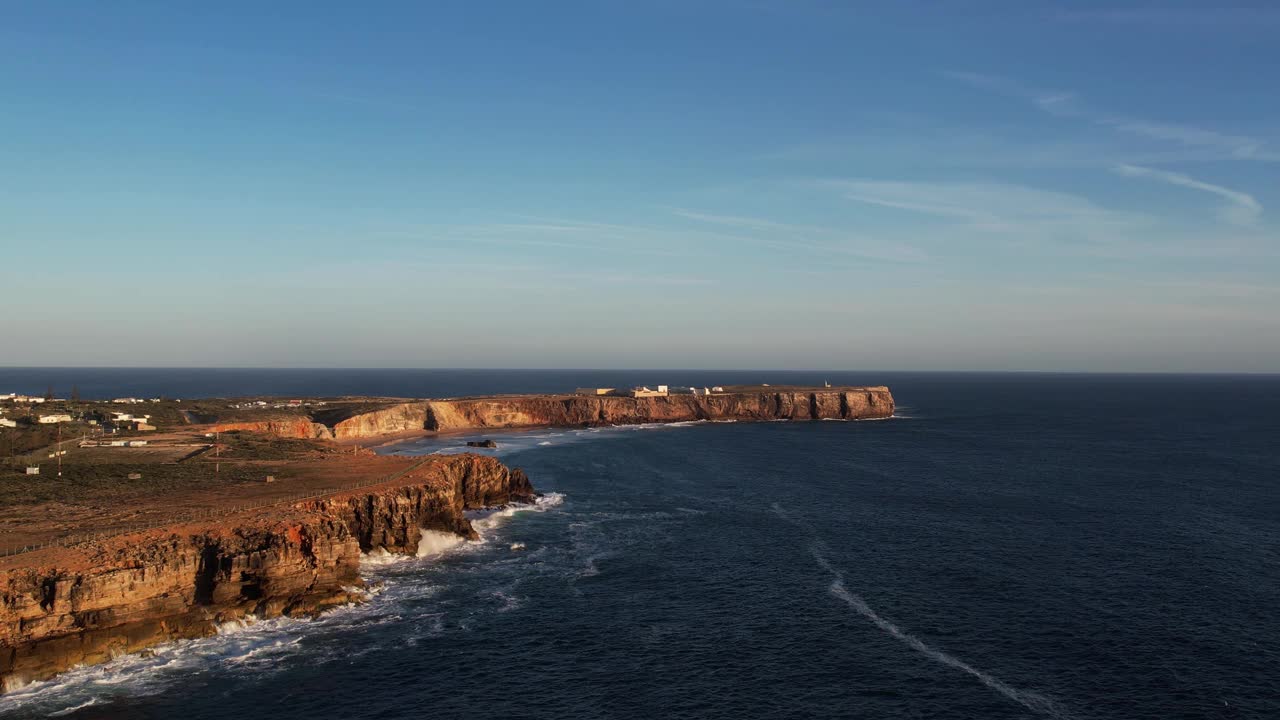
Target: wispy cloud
(987, 206)
(821, 242)
(1242, 208)
(738, 221)
(960, 218)
(1069, 105)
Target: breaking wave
(436, 542)
(397, 586)
(484, 521)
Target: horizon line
(294, 368)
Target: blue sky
(786, 184)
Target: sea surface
(1009, 546)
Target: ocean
(1008, 546)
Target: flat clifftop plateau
(88, 603)
(517, 411)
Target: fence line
(78, 538)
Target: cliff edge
(88, 604)
(519, 411)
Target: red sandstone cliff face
(579, 410)
(405, 417)
(299, 428)
(140, 590)
(571, 410)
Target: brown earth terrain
(64, 606)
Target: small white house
(6, 422)
(53, 419)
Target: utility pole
(217, 464)
(59, 449)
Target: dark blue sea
(1009, 546)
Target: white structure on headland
(593, 391)
(644, 391)
(23, 398)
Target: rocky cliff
(404, 417)
(86, 605)
(293, 428)
(579, 410)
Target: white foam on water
(257, 646)
(509, 602)
(484, 521)
(1030, 700)
(74, 708)
(436, 542)
(589, 566)
(247, 643)
(380, 556)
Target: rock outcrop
(92, 604)
(404, 417)
(579, 410)
(292, 428)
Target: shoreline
(417, 418)
(85, 604)
(140, 542)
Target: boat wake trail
(1030, 700)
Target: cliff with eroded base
(88, 604)
(587, 410)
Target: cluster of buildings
(117, 421)
(36, 400)
(51, 419)
(263, 405)
(644, 391)
(22, 399)
(131, 422)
